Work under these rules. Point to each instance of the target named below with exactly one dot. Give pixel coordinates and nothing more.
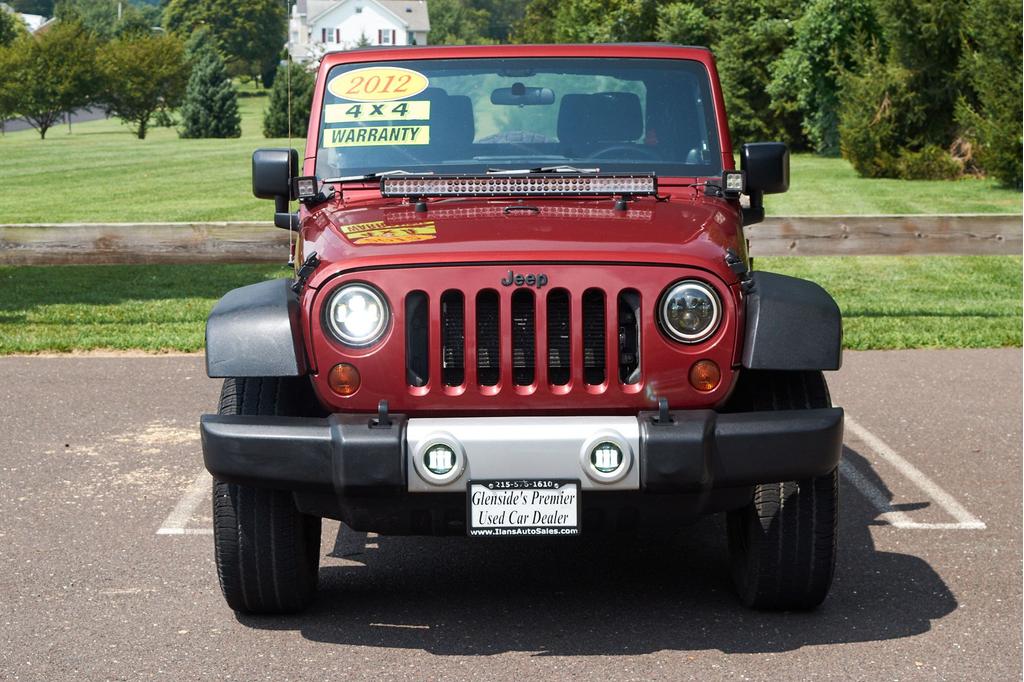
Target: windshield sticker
(385, 111)
(378, 84)
(370, 136)
(378, 232)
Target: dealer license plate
(524, 507)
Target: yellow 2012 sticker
(418, 110)
(378, 84)
(371, 136)
(377, 232)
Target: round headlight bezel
(336, 298)
(674, 290)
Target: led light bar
(517, 185)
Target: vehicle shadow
(605, 595)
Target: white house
(319, 26)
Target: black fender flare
(791, 324)
(254, 331)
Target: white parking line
(964, 519)
(177, 521)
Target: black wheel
(267, 552)
(782, 545)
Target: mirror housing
(272, 173)
(767, 166)
(767, 169)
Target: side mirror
(272, 173)
(767, 168)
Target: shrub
(211, 104)
(992, 121)
(931, 162)
(878, 115)
(275, 118)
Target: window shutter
(392, 36)
(337, 35)
(323, 35)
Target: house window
(330, 35)
(359, 10)
(385, 37)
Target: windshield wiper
(542, 169)
(374, 176)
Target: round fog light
(606, 457)
(439, 459)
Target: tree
(805, 79)
(10, 28)
(142, 75)
(538, 23)
(684, 23)
(750, 36)
(587, 21)
(101, 17)
(991, 114)
(248, 33)
(55, 74)
(211, 103)
(456, 22)
(275, 118)
(40, 7)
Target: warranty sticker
(370, 136)
(378, 84)
(378, 232)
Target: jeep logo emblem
(531, 280)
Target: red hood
(688, 230)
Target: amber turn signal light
(705, 375)
(344, 379)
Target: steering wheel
(628, 150)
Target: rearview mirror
(522, 95)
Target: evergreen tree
(211, 103)
(275, 118)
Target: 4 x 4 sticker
(369, 136)
(418, 110)
(378, 84)
(377, 232)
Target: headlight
(690, 311)
(357, 314)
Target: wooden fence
(259, 242)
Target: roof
(412, 13)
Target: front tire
(267, 552)
(782, 544)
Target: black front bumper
(352, 456)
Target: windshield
(474, 115)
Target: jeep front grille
(572, 334)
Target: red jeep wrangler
(522, 305)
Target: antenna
(288, 81)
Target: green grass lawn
(101, 173)
(887, 302)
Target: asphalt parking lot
(106, 564)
